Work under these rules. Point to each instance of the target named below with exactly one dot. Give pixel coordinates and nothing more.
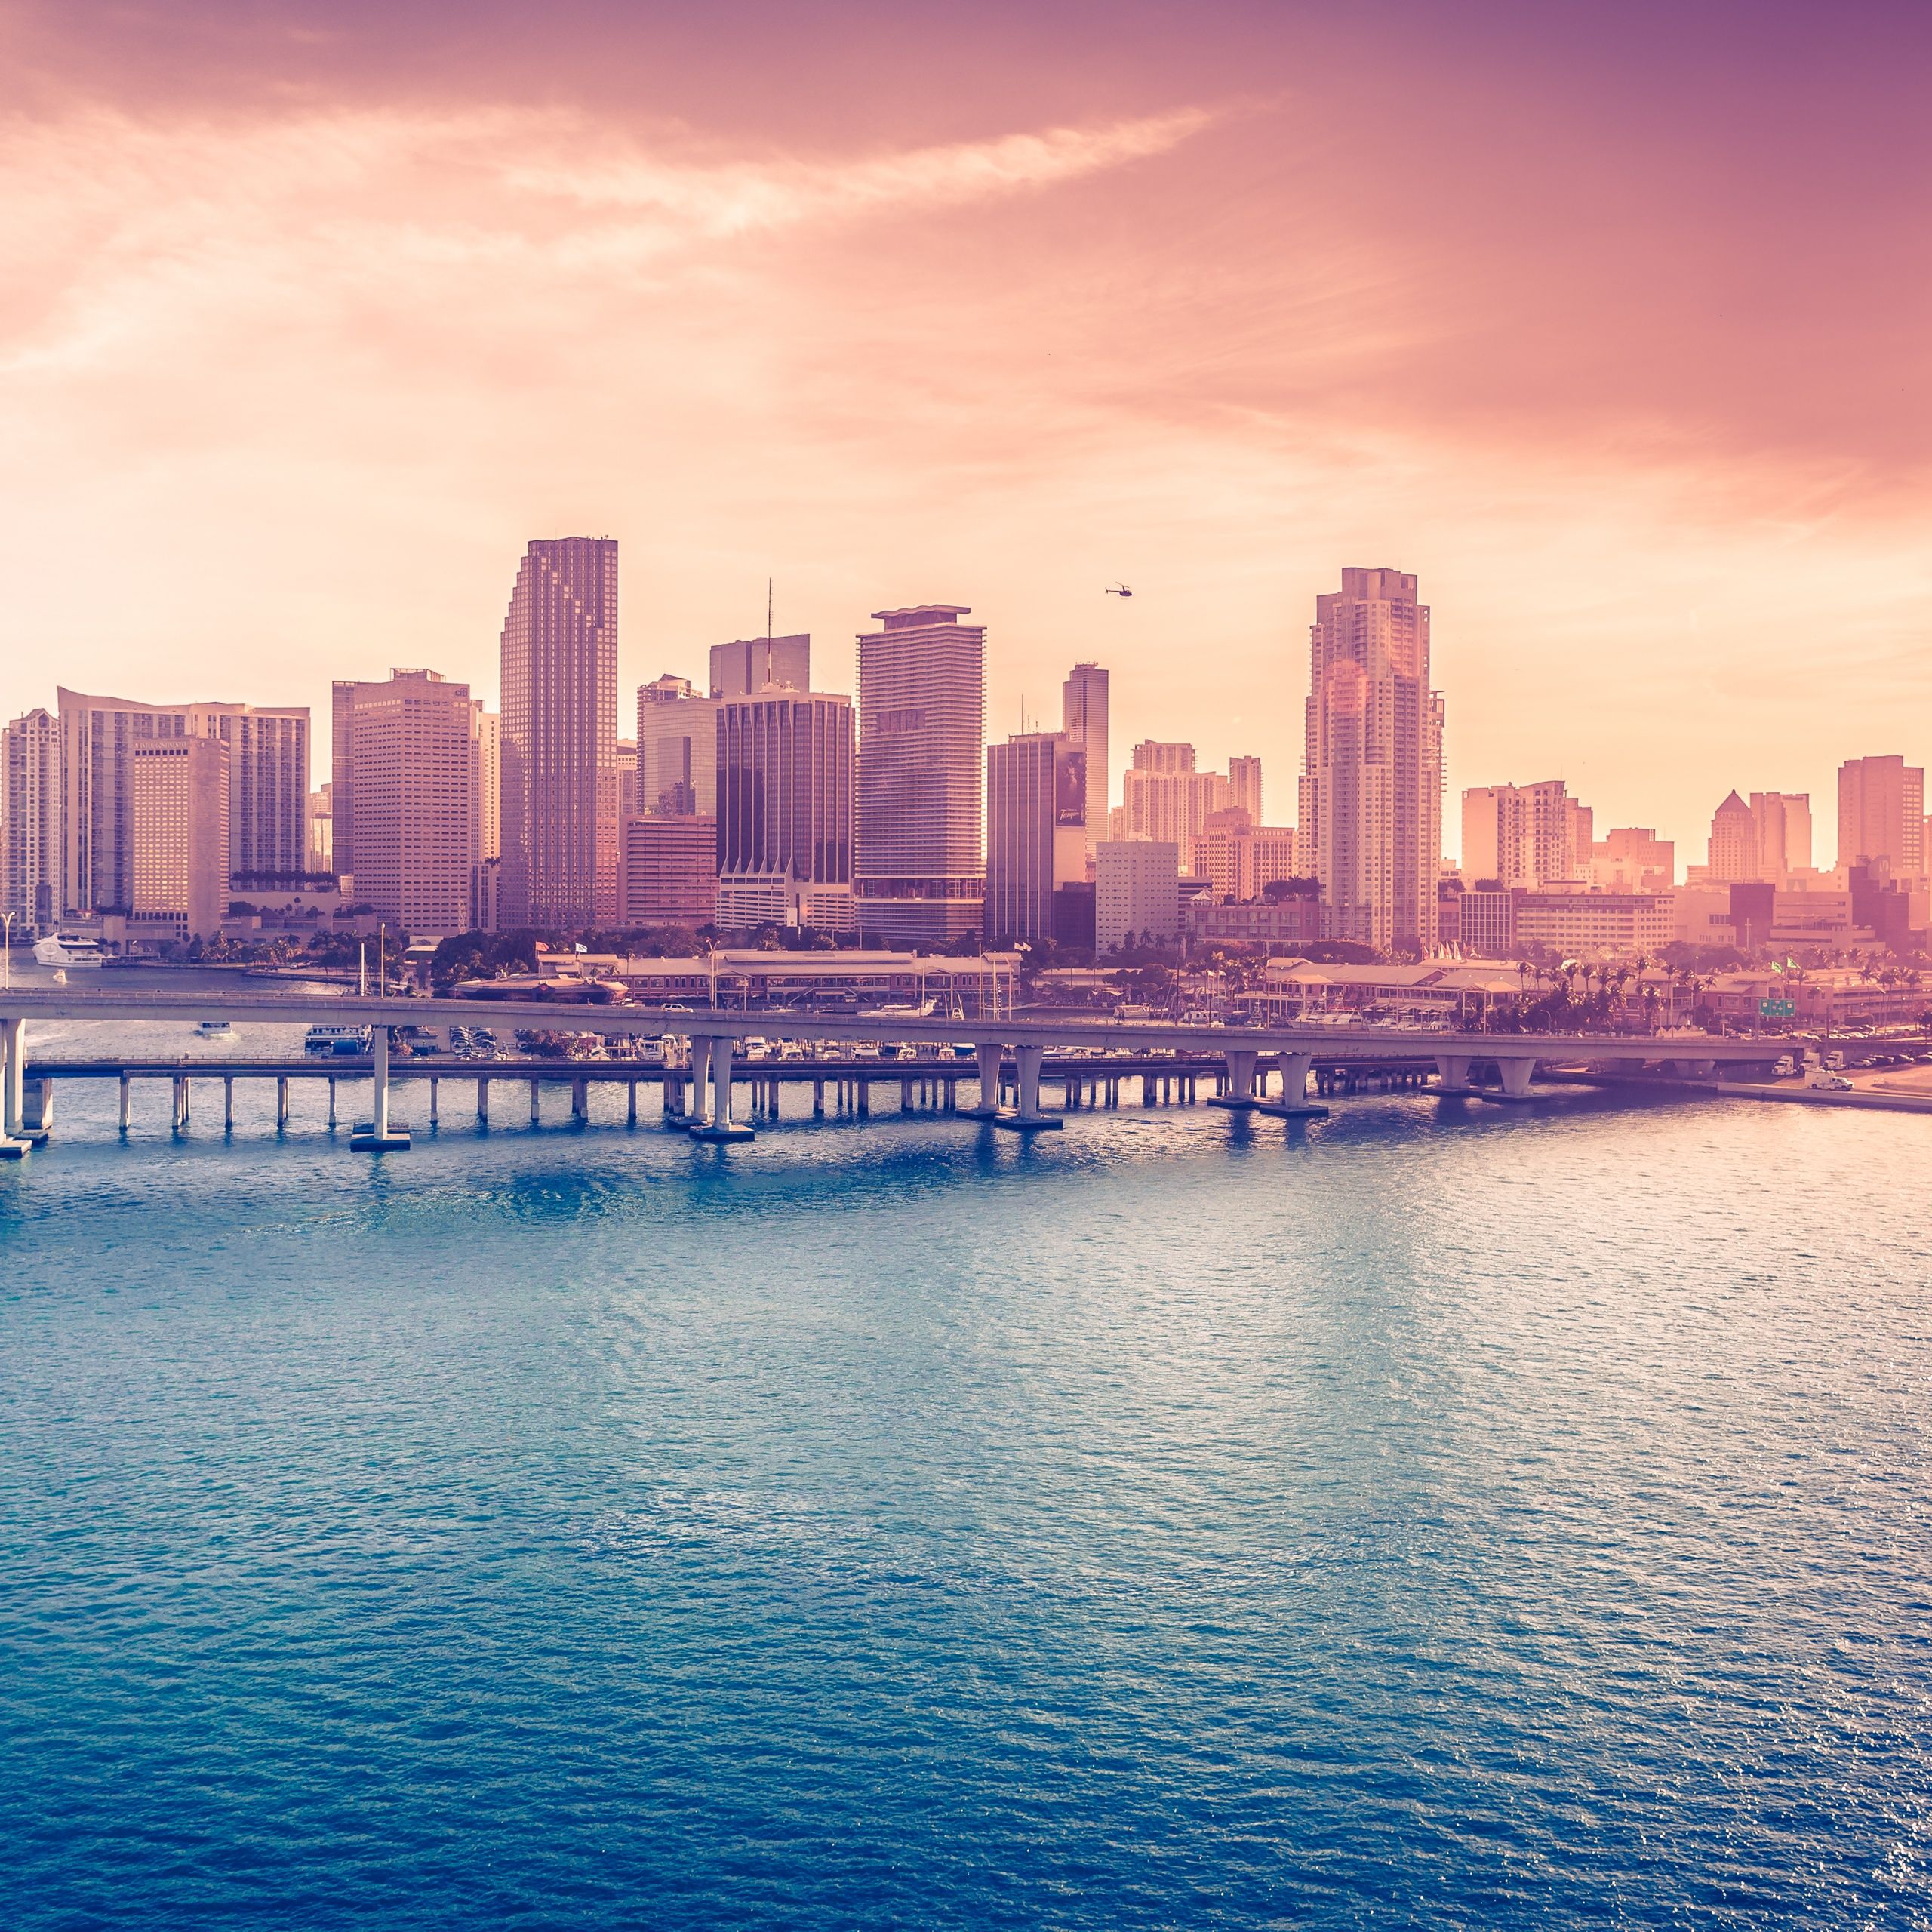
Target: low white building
(1136, 892)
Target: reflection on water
(1439, 1514)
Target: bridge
(1010, 1054)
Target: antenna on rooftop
(767, 610)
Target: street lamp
(6, 949)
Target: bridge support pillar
(1516, 1071)
(482, 1101)
(630, 1114)
(14, 1138)
(1294, 1104)
(720, 1126)
(992, 1057)
(435, 1112)
(127, 1103)
(331, 1099)
(695, 1112)
(1452, 1074)
(1238, 1094)
(281, 1101)
(228, 1102)
(536, 1103)
(379, 1137)
(581, 1098)
(1029, 1118)
(180, 1101)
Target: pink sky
(1610, 322)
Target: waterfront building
(30, 822)
(1580, 923)
(677, 748)
(1881, 815)
(920, 860)
(669, 872)
(1036, 832)
(406, 752)
(1461, 992)
(268, 767)
(1371, 821)
(559, 737)
(747, 666)
(178, 837)
(1486, 922)
(784, 809)
(1295, 919)
(1083, 717)
(1734, 845)
(1136, 892)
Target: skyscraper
(1881, 815)
(179, 836)
(1244, 786)
(785, 811)
(1371, 787)
(677, 748)
(668, 875)
(1525, 834)
(268, 797)
(1036, 831)
(1734, 857)
(407, 752)
(921, 867)
(1783, 822)
(1083, 717)
(748, 665)
(1163, 798)
(559, 737)
(30, 822)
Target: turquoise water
(1444, 1515)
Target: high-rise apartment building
(268, 812)
(1155, 755)
(1881, 815)
(1036, 831)
(1137, 893)
(407, 752)
(669, 876)
(1733, 853)
(1783, 823)
(1083, 717)
(747, 666)
(1632, 858)
(179, 836)
(677, 748)
(1525, 834)
(921, 864)
(559, 737)
(1245, 787)
(321, 828)
(785, 811)
(30, 822)
(1165, 798)
(1371, 789)
(1240, 859)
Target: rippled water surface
(1444, 1515)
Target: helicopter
(1118, 590)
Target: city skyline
(279, 225)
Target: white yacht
(68, 949)
(216, 1029)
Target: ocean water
(1442, 1515)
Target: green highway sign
(1777, 1009)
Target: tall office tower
(1734, 853)
(749, 665)
(1783, 822)
(486, 734)
(1171, 802)
(1083, 717)
(920, 868)
(179, 836)
(677, 748)
(1495, 840)
(669, 873)
(321, 828)
(630, 791)
(1036, 832)
(1881, 814)
(30, 822)
(785, 811)
(269, 789)
(1371, 789)
(559, 822)
(408, 752)
(1137, 893)
(1244, 786)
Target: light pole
(7, 950)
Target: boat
(216, 1029)
(325, 1039)
(68, 949)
